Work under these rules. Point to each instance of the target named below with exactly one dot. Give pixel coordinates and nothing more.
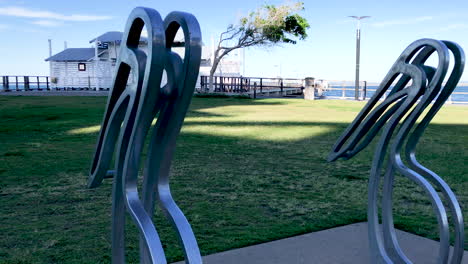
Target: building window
(81, 66)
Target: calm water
(456, 98)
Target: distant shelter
(93, 67)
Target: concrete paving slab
(343, 245)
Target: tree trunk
(212, 72)
(210, 82)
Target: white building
(91, 68)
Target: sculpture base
(346, 244)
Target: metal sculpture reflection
(130, 110)
(395, 118)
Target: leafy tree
(269, 25)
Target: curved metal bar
(171, 118)
(131, 108)
(404, 105)
(389, 233)
(449, 196)
(430, 93)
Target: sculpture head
(408, 88)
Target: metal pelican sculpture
(131, 109)
(395, 118)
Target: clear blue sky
(328, 53)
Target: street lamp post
(358, 53)
(280, 70)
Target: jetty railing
(41, 83)
(345, 90)
(239, 84)
(252, 86)
(25, 83)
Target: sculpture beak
(375, 115)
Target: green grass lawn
(245, 172)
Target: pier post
(309, 89)
(343, 92)
(5, 83)
(261, 85)
(221, 83)
(281, 84)
(241, 85)
(26, 83)
(255, 90)
(364, 91)
(215, 83)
